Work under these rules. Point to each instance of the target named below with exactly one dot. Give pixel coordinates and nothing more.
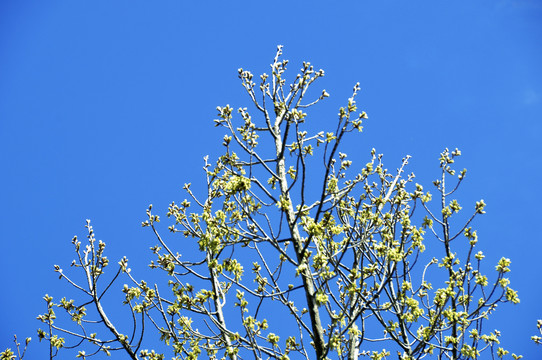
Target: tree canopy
(361, 261)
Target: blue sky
(106, 107)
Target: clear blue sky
(106, 107)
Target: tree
(286, 226)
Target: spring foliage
(352, 260)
